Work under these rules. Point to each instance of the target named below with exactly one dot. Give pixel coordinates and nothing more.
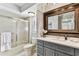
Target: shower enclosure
(13, 35)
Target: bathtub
(14, 51)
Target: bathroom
(39, 29)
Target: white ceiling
(14, 9)
(24, 6)
(17, 6)
(20, 4)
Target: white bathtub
(14, 51)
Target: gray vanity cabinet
(48, 52)
(57, 53)
(50, 45)
(65, 49)
(40, 48)
(45, 48)
(51, 49)
(76, 52)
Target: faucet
(66, 37)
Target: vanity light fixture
(31, 13)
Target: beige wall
(44, 7)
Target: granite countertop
(71, 42)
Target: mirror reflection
(64, 21)
(52, 22)
(68, 21)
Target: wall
(44, 7)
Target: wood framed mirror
(64, 19)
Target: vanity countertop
(60, 40)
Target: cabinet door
(48, 52)
(76, 52)
(57, 53)
(50, 45)
(40, 50)
(65, 49)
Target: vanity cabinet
(40, 48)
(76, 52)
(48, 52)
(57, 53)
(52, 49)
(58, 49)
(65, 49)
(51, 52)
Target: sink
(72, 39)
(62, 38)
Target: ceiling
(24, 6)
(14, 9)
(20, 4)
(17, 6)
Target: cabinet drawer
(76, 52)
(40, 42)
(48, 52)
(57, 53)
(65, 49)
(40, 50)
(50, 45)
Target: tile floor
(25, 54)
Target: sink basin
(62, 38)
(72, 39)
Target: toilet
(28, 48)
